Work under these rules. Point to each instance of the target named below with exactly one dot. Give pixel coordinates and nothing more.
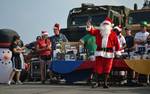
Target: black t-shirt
(129, 41)
(12, 46)
(21, 44)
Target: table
(80, 70)
(70, 66)
(141, 66)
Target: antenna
(135, 6)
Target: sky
(29, 17)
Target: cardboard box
(71, 50)
(71, 46)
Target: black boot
(43, 81)
(105, 86)
(106, 76)
(95, 79)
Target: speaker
(35, 70)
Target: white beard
(105, 30)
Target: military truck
(77, 18)
(136, 16)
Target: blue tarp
(65, 66)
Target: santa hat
(118, 28)
(57, 26)
(108, 21)
(44, 33)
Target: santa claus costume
(107, 47)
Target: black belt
(106, 49)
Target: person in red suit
(107, 48)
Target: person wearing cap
(56, 40)
(106, 41)
(121, 39)
(141, 37)
(57, 37)
(140, 41)
(43, 48)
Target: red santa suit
(107, 46)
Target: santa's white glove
(92, 58)
(118, 54)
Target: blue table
(68, 69)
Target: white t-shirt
(141, 36)
(122, 41)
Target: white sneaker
(134, 81)
(19, 82)
(123, 82)
(9, 83)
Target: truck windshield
(136, 18)
(81, 20)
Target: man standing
(140, 41)
(90, 44)
(129, 48)
(121, 38)
(56, 40)
(122, 41)
(107, 42)
(129, 42)
(140, 38)
(58, 37)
